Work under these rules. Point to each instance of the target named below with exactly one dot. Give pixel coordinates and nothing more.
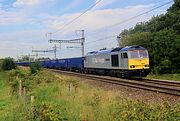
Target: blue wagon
(23, 63)
(76, 63)
(61, 64)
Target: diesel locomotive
(129, 61)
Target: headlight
(132, 66)
(146, 65)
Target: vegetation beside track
(55, 100)
(9, 103)
(175, 77)
(1, 60)
(161, 36)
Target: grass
(86, 104)
(4, 94)
(55, 102)
(175, 77)
(8, 102)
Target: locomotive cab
(134, 61)
(138, 59)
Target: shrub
(8, 64)
(15, 76)
(35, 67)
(48, 112)
(1, 65)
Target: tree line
(161, 36)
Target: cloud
(19, 3)
(92, 22)
(12, 17)
(98, 19)
(13, 43)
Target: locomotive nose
(138, 64)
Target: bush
(1, 65)
(8, 64)
(15, 76)
(35, 67)
(49, 112)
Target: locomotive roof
(99, 52)
(127, 48)
(133, 47)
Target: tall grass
(175, 77)
(54, 101)
(8, 103)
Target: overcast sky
(24, 23)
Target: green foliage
(175, 77)
(165, 49)
(94, 101)
(10, 105)
(129, 110)
(8, 64)
(35, 67)
(53, 102)
(28, 80)
(15, 76)
(161, 36)
(1, 60)
(49, 112)
(142, 39)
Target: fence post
(32, 100)
(33, 109)
(70, 88)
(20, 88)
(24, 93)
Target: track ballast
(161, 86)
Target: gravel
(145, 96)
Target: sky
(24, 24)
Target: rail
(168, 87)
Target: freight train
(129, 61)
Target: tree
(35, 67)
(8, 64)
(139, 38)
(161, 36)
(165, 49)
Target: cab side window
(124, 55)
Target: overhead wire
(107, 45)
(122, 22)
(104, 38)
(77, 17)
(131, 18)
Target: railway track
(168, 87)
